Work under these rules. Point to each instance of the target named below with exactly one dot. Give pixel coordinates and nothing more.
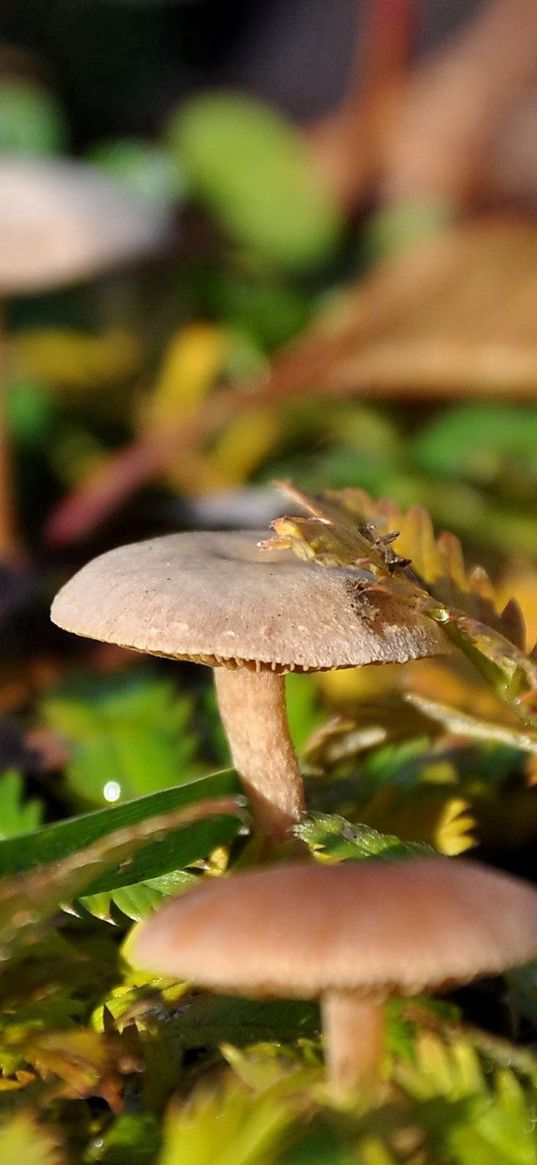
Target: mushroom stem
(252, 707)
(353, 1029)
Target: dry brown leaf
(453, 317)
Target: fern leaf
(335, 839)
(129, 735)
(139, 900)
(27, 900)
(25, 1141)
(17, 815)
(230, 1126)
(350, 528)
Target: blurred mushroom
(61, 222)
(252, 614)
(350, 934)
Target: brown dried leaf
(450, 318)
(79, 1062)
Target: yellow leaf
(23, 1141)
(245, 444)
(440, 1069)
(347, 687)
(192, 363)
(77, 360)
(520, 582)
(374, 1152)
(451, 680)
(75, 1055)
(428, 816)
(453, 833)
(193, 474)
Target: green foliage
(253, 173)
(143, 168)
(204, 1020)
(63, 839)
(229, 1126)
(100, 1065)
(266, 310)
(464, 724)
(30, 413)
(303, 710)
(475, 443)
(25, 1141)
(197, 1020)
(17, 815)
(55, 982)
(129, 735)
(136, 901)
(485, 500)
(335, 839)
(129, 845)
(322, 1145)
(486, 1119)
(31, 121)
(133, 1137)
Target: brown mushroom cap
(61, 221)
(372, 927)
(220, 599)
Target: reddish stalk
(348, 143)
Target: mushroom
(252, 614)
(350, 934)
(61, 222)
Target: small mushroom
(252, 614)
(350, 934)
(60, 222)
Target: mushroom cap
(220, 599)
(373, 927)
(62, 221)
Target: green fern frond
(17, 815)
(231, 1125)
(137, 901)
(129, 735)
(335, 839)
(25, 1141)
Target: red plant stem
(388, 38)
(301, 366)
(456, 101)
(348, 143)
(124, 473)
